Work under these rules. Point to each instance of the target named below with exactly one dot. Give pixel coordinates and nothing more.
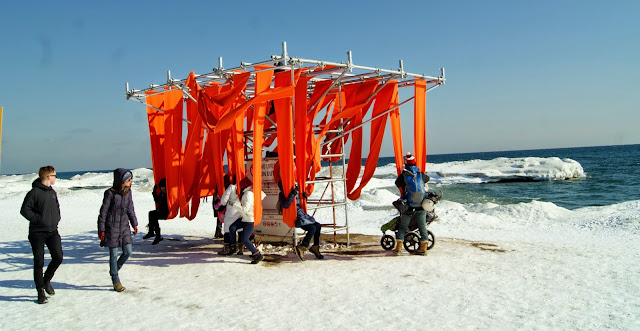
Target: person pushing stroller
(411, 183)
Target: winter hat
(409, 159)
(244, 183)
(126, 176)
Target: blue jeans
(247, 230)
(116, 263)
(313, 230)
(421, 219)
(233, 230)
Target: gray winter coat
(116, 213)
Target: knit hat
(409, 159)
(244, 183)
(126, 176)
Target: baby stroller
(412, 237)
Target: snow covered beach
(524, 266)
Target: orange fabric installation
(232, 121)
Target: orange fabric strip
(219, 149)
(356, 95)
(263, 81)
(173, 107)
(384, 101)
(271, 94)
(420, 123)
(355, 156)
(192, 159)
(285, 144)
(156, 135)
(396, 133)
(237, 141)
(301, 130)
(314, 161)
(207, 184)
(209, 111)
(228, 97)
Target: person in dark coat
(304, 221)
(42, 209)
(160, 213)
(116, 214)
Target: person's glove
(295, 191)
(101, 235)
(135, 230)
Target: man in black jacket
(42, 209)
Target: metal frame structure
(339, 74)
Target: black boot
(42, 298)
(225, 250)
(315, 249)
(300, 250)
(240, 249)
(218, 230)
(47, 286)
(233, 249)
(256, 258)
(150, 233)
(158, 237)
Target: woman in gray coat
(116, 213)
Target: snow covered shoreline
(525, 266)
(460, 284)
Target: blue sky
(520, 74)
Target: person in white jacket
(231, 215)
(245, 208)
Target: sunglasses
(56, 176)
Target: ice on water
(499, 169)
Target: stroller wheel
(432, 240)
(411, 242)
(387, 242)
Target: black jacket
(41, 208)
(162, 205)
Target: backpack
(414, 190)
